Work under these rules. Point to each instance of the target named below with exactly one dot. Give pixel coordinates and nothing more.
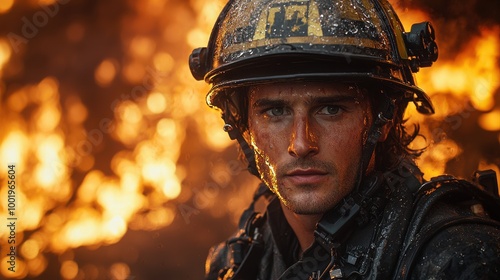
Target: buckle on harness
(488, 180)
(336, 224)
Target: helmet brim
(313, 67)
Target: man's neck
(303, 226)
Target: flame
(69, 269)
(5, 6)
(5, 53)
(49, 134)
(473, 75)
(458, 87)
(105, 72)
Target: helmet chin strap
(385, 114)
(235, 133)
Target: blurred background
(122, 172)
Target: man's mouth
(306, 176)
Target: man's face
(307, 139)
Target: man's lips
(306, 176)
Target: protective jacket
(402, 229)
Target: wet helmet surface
(255, 42)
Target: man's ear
(385, 131)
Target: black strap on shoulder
(247, 247)
(438, 189)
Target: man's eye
(330, 110)
(276, 111)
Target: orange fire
(473, 80)
(458, 87)
(44, 135)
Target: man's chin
(310, 207)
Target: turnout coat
(442, 229)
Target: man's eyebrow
(267, 102)
(333, 99)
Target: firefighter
(314, 91)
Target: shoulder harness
(355, 218)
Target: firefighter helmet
(264, 41)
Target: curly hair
(396, 146)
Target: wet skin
(307, 139)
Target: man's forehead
(285, 90)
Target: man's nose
(304, 141)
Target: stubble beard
(304, 203)
(311, 204)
